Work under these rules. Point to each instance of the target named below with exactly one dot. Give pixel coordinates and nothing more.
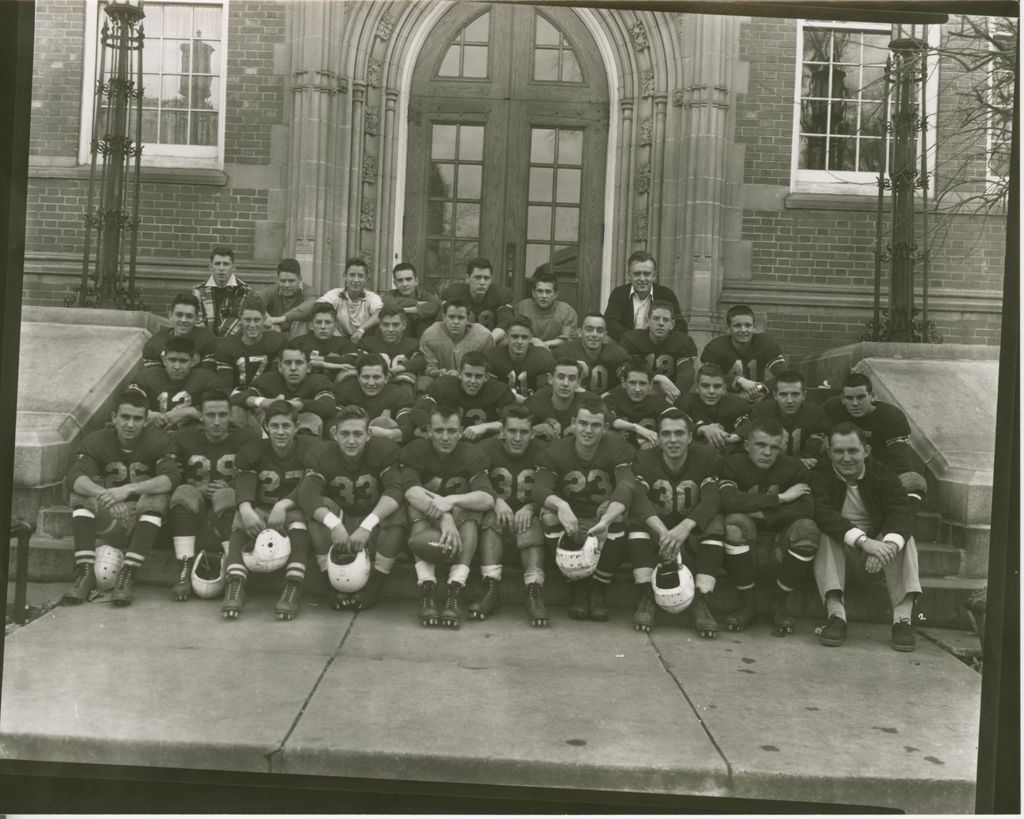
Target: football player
(445, 342)
(767, 493)
(417, 306)
(750, 360)
(244, 356)
(489, 304)
(635, 406)
(330, 355)
(184, 316)
(717, 415)
(523, 365)
(401, 353)
(266, 473)
(554, 407)
(387, 404)
(207, 457)
(513, 457)
(119, 483)
(287, 294)
(583, 486)
(479, 398)
(353, 496)
(599, 357)
(448, 491)
(554, 322)
(676, 502)
(669, 353)
(173, 388)
(806, 424)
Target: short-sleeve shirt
(352, 313)
(242, 363)
(512, 478)
(356, 486)
(203, 460)
(600, 373)
(101, 458)
(463, 470)
(757, 362)
(674, 496)
(584, 486)
(263, 476)
(521, 376)
(665, 358)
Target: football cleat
(368, 596)
(82, 586)
(703, 622)
(287, 605)
(744, 615)
(182, 588)
(833, 633)
(579, 603)
(343, 601)
(453, 612)
(107, 567)
(782, 621)
(428, 614)
(536, 611)
(234, 597)
(489, 603)
(124, 589)
(595, 601)
(270, 551)
(646, 609)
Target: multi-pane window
(553, 210)
(466, 57)
(553, 58)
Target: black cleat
(489, 603)
(453, 612)
(833, 633)
(744, 615)
(234, 597)
(782, 621)
(428, 614)
(903, 636)
(598, 609)
(83, 585)
(579, 605)
(646, 609)
(536, 611)
(703, 622)
(368, 596)
(288, 603)
(343, 601)
(124, 589)
(182, 588)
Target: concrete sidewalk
(577, 705)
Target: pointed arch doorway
(507, 147)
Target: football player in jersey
(448, 491)
(806, 425)
(119, 483)
(207, 457)
(635, 407)
(184, 316)
(266, 473)
(173, 388)
(418, 307)
(387, 405)
(767, 493)
(353, 497)
(490, 303)
(599, 357)
(330, 355)
(885, 427)
(676, 510)
(718, 416)
(583, 486)
(515, 519)
(401, 353)
(479, 398)
(523, 365)
(312, 396)
(749, 360)
(245, 355)
(554, 407)
(669, 353)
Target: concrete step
(930, 528)
(52, 560)
(938, 559)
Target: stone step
(929, 527)
(52, 560)
(938, 559)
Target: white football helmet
(576, 564)
(208, 575)
(109, 561)
(270, 551)
(346, 572)
(673, 586)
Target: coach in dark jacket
(864, 515)
(629, 305)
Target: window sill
(831, 201)
(39, 168)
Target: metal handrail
(22, 530)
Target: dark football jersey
(493, 310)
(356, 486)
(392, 398)
(731, 411)
(808, 427)
(674, 496)
(526, 376)
(585, 485)
(645, 413)
(758, 362)
(338, 349)
(512, 478)
(263, 476)
(746, 488)
(545, 412)
(404, 353)
(238, 364)
(463, 470)
(205, 343)
(886, 428)
(203, 460)
(666, 358)
(164, 395)
(600, 373)
(315, 392)
(101, 458)
(481, 408)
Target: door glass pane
(571, 68)
(536, 255)
(479, 30)
(439, 218)
(467, 219)
(570, 147)
(442, 143)
(538, 222)
(438, 258)
(540, 184)
(545, 64)
(442, 178)
(542, 145)
(469, 181)
(465, 60)
(464, 251)
(450, 63)
(565, 265)
(474, 61)
(567, 224)
(471, 142)
(568, 185)
(546, 34)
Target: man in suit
(629, 305)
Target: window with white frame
(840, 143)
(184, 64)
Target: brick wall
(57, 77)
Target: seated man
(489, 304)
(806, 424)
(172, 390)
(353, 485)
(445, 342)
(865, 517)
(523, 365)
(583, 486)
(554, 407)
(635, 407)
(599, 357)
(356, 308)
(448, 491)
(386, 403)
(515, 519)
(766, 493)
(285, 296)
(717, 416)
(221, 295)
(479, 398)
(554, 322)
(244, 356)
(629, 305)
(119, 483)
(311, 396)
(266, 474)
(885, 428)
(419, 307)
(402, 354)
(750, 360)
(207, 457)
(676, 507)
(669, 353)
(330, 355)
(184, 316)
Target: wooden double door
(507, 148)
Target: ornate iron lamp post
(112, 214)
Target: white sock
(834, 607)
(533, 576)
(321, 562)
(903, 610)
(384, 565)
(458, 574)
(705, 583)
(425, 572)
(184, 546)
(493, 572)
(643, 574)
